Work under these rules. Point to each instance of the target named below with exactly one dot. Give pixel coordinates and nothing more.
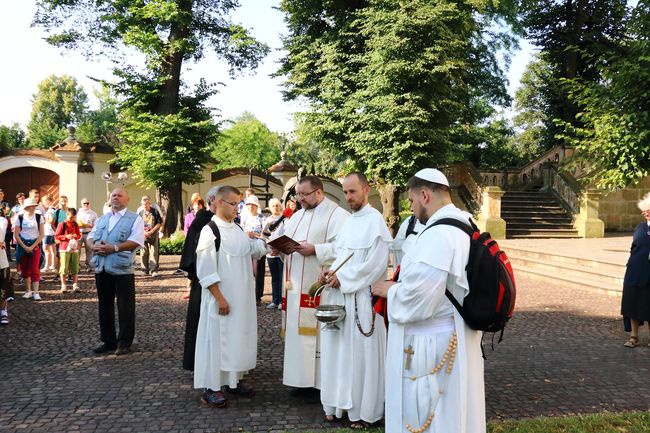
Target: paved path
(562, 354)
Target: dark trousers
(108, 288)
(259, 279)
(276, 268)
(192, 325)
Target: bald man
(114, 239)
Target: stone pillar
(587, 222)
(490, 218)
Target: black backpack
(188, 257)
(491, 299)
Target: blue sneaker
(214, 398)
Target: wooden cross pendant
(409, 352)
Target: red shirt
(66, 228)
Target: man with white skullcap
(434, 368)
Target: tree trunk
(172, 207)
(390, 195)
(170, 195)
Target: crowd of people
(42, 237)
(419, 348)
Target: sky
(28, 59)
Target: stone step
(534, 201)
(539, 225)
(586, 273)
(518, 252)
(535, 218)
(550, 235)
(576, 282)
(535, 207)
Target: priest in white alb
(434, 368)
(352, 358)
(317, 223)
(226, 340)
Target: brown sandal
(632, 342)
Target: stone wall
(619, 209)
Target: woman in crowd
(635, 304)
(29, 234)
(49, 246)
(275, 262)
(197, 203)
(6, 287)
(251, 222)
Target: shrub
(173, 244)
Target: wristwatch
(116, 247)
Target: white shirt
(137, 231)
(29, 228)
(88, 217)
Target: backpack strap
(410, 229)
(216, 233)
(38, 219)
(469, 230)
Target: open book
(283, 243)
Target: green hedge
(172, 245)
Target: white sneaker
(64, 289)
(280, 307)
(154, 274)
(51, 268)
(75, 287)
(43, 270)
(37, 297)
(27, 295)
(271, 306)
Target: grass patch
(625, 422)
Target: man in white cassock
(318, 223)
(226, 340)
(434, 368)
(352, 358)
(405, 238)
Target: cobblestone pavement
(562, 353)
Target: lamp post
(107, 177)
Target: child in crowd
(49, 246)
(68, 234)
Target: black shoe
(104, 348)
(122, 350)
(243, 389)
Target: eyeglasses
(231, 203)
(303, 195)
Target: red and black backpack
(491, 299)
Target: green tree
(59, 102)
(396, 85)
(537, 102)
(11, 137)
(613, 139)
(247, 143)
(101, 124)
(304, 150)
(572, 35)
(167, 33)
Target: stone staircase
(579, 272)
(534, 214)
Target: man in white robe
(352, 358)
(434, 368)
(317, 223)
(226, 340)
(405, 238)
